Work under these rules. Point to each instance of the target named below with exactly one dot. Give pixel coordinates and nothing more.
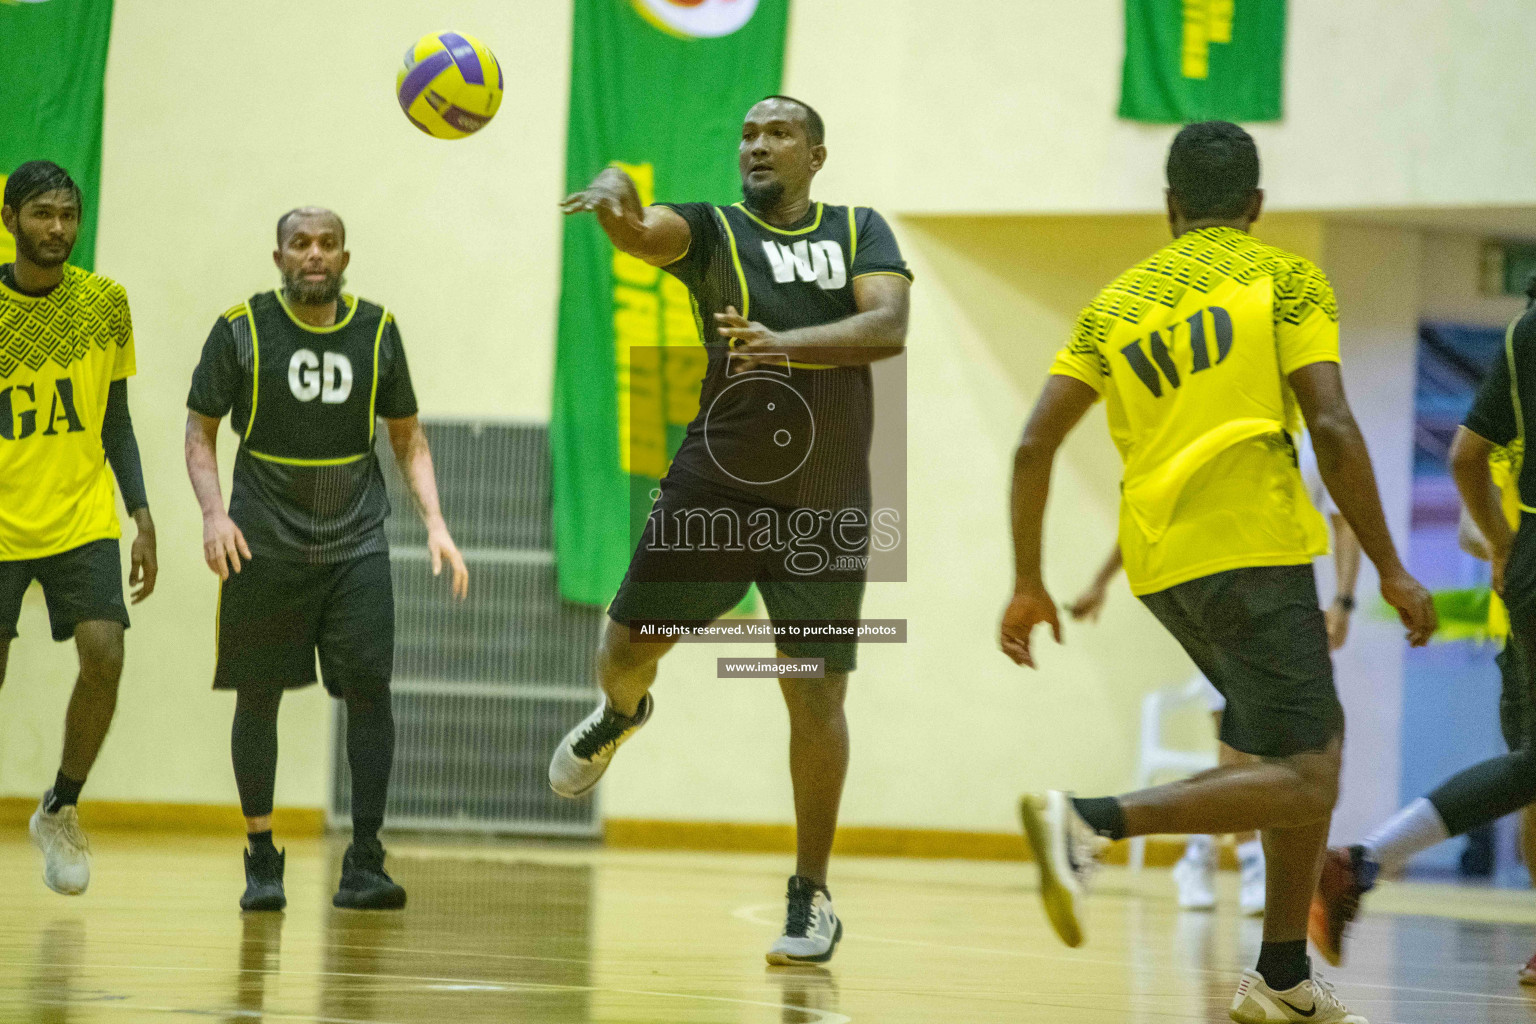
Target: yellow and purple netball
(450, 86)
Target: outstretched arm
(1061, 405)
(414, 458)
(877, 331)
(656, 234)
(1345, 466)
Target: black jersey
(1507, 397)
(790, 434)
(304, 401)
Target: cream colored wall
(971, 106)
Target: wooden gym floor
(547, 935)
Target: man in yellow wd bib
(1208, 353)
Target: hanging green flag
(660, 88)
(1203, 60)
(53, 64)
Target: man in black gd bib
(795, 299)
(301, 554)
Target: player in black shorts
(795, 299)
(66, 353)
(304, 373)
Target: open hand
(143, 560)
(752, 344)
(1029, 608)
(223, 545)
(441, 546)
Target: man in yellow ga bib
(1208, 354)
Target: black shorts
(1260, 638)
(702, 547)
(83, 584)
(275, 614)
(1515, 703)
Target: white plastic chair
(1153, 759)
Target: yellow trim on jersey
(284, 460)
(853, 235)
(218, 608)
(686, 250)
(741, 275)
(782, 231)
(234, 311)
(250, 318)
(338, 325)
(882, 273)
(813, 366)
(1514, 398)
(373, 395)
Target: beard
(32, 250)
(762, 197)
(313, 293)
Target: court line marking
(750, 911)
(821, 1016)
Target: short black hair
(302, 211)
(1213, 169)
(815, 129)
(36, 177)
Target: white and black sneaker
(811, 928)
(1312, 1001)
(1067, 849)
(583, 754)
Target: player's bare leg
(55, 826)
(625, 673)
(94, 701)
(818, 765)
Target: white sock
(1200, 849)
(1414, 828)
(1253, 849)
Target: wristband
(1345, 601)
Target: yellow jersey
(1190, 349)
(59, 354)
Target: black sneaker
(264, 880)
(364, 885)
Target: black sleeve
(1493, 411)
(877, 251)
(396, 398)
(217, 377)
(704, 232)
(122, 447)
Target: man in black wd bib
(795, 299)
(301, 554)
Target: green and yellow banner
(53, 64)
(660, 88)
(1203, 60)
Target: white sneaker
(1195, 875)
(811, 928)
(1250, 859)
(1313, 1001)
(66, 851)
(583, 754)
(1067, 849)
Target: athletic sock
(1200, 849)
(1253, 849)
(261, 842)
(1103, 815)
(1284, 965)
(65, 791)
(366, 830)
(1416, 827)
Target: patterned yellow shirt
(59, 354)
(1190, 350)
